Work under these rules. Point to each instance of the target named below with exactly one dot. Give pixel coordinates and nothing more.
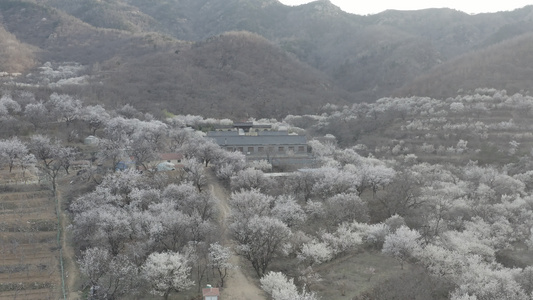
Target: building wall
(268, 149)
(277, 147)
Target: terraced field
(29, 252)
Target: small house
(91, 140)
(167, 161)
(210, 293)
(124, 165)
(174, 158)
(80, 165)
(165, 166)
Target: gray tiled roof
(222, 133)
(273, 133)
(260, 140)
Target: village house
(260, 142)
(174, 158)
(210, 293)
(168, 161)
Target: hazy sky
(376, 6)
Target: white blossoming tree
(281, 288)
(402, 244)
(219, 257)
(167, 272)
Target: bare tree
(401, 196)
(142, 152)
(52, 156)
(112, 150)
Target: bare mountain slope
(369, 56)
(237, 74)
(174, 54)
(15, 57)
(60, 37)
(507, 65)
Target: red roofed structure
(211, 293)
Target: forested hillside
(346, 58)
(370, 56)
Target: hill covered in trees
(346, 58)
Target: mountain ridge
(362, 58)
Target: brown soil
(28, 241)
(71, 271)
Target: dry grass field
(29, 253)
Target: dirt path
(240, 285)
(71, 271)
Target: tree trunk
(54, 185)
(222, 276)
(166, 294)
